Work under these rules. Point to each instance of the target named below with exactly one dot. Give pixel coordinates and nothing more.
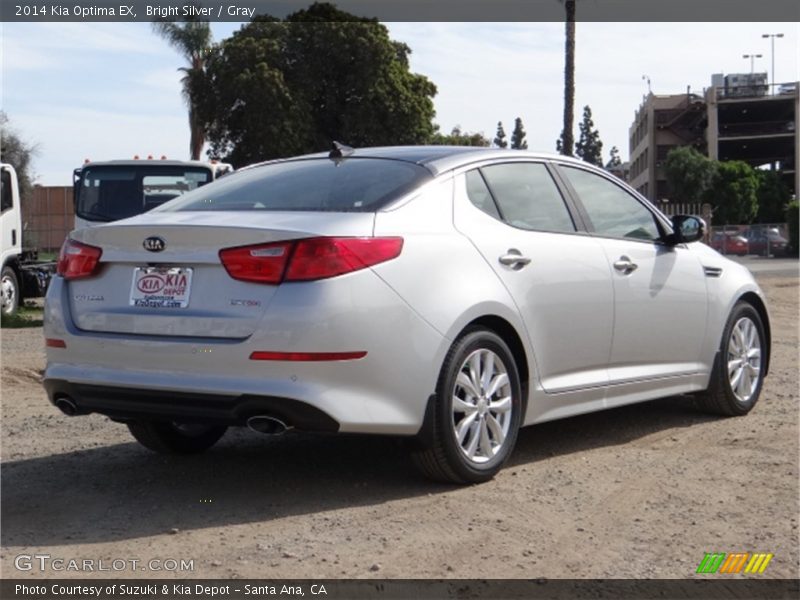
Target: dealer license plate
(157, 287)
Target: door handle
(514, 258)
(625, 266)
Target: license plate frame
(161, 287)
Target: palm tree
(567, 139)
(194, 40)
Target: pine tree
(500, 138)
(589, 147)
(614, 160)
(518, 136)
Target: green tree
(277, 88)
(689, 174)
(19, 154)
(733, 193)
(500, 138)
(773, 196)
(614, 159)
(589, 147)
(193, 39)
(459, 138)
(518, 136)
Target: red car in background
(766, 241)
(730, 242)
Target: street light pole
(752, 58)
(772, 37)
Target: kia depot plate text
(155, 287)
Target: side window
(613, 211)
(6, 196)
(528, 197)
(479, 194)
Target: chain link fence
(769, 239)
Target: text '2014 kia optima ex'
(450, 295)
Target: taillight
(77, 260)
(261, 264)
(319, 258)
(308, 259)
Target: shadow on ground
(122, 491)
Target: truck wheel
(9, 290)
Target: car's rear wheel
(738, 373)
(477, 413)
(166, 437)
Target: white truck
(23, 276)
(103, 192)
(117, 189)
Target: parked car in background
(450, 295)
(766, 241)
(729, 242)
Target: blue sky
(112, 90)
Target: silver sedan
(448, 295)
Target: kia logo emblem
(154, 244)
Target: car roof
(438, 159)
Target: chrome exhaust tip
(267, 425)
(67, 406)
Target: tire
(729, 392)
(487, 438)
(9, 288)
(165, 437)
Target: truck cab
(11, 227)
(113, 190)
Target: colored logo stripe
(734, 562)
(758, 563)
(711, 562)
(714, 562)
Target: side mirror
(686, 229)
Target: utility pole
(772, 37)
(752, 58)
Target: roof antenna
(340, 151)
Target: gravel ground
(641, 491)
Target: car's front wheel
(477, 414)
(738, 373)
(166, 437)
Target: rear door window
(527, 197)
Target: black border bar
(711, 588)
(409, 10)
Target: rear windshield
(346, 185)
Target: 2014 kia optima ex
(450, 295)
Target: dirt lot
(642, 491)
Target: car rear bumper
(123, 404)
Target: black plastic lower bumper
(126, 404)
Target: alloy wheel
(482, 406)
(744, 359)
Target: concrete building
(661, 124)
(738, 118)
(760, 129)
